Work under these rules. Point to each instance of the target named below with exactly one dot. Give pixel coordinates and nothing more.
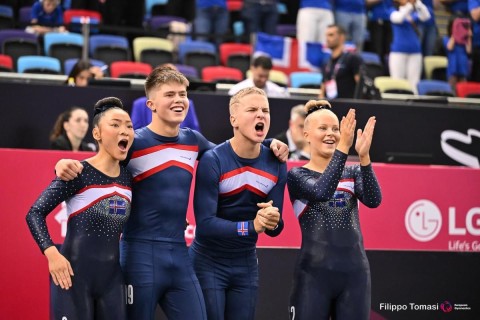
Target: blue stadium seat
(434, 88)
(69, 63)
(370, 57)
(38, 64)
(306, 79)
(109, 48)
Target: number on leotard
(292, 313)
(129, 293)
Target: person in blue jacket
(405, 60)
(46, 16)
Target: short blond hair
(235, 99)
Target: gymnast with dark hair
(87, 279)
(332, 274)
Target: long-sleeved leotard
(332, 265)
(97, 207)
(227, 191)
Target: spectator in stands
(95, 5)
(142, 115)
(81, 72)
(342, 72)
(457, 7)
(428, 31)
(211, 19)
(474, 7)
(181, 8)
(69, 131)
(260, 16)
(313, 18)
(47, 16)
(458, 48)
(260, 72)
(405, 60)
(293, 136)
(379, 26)
(350, 14)
(127, 13)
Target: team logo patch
(338, 200)
(117, 207)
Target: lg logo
(423, 221)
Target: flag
(276, 47)
(117, 207)
(311, 55)
(290, 55)
(242, 228)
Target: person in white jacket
(260, 72)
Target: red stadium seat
(227, 49)
(76, 13)
(221, 74)
(130, 69)
(468, 89)
(6, 63)
(234, 5)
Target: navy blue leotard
(332, 274)
(97, 207)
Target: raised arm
(367, 188)
(399, 16)
(279, 149)
(422, 11)
(303, 185)
(68, 169)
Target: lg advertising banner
(424, 208)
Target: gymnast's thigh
(243, 291)
(184, 298)
(111, 305)
(72, 304)
(213, 281)
(354, 302)
(311, 296)
(142, 288)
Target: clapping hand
(364, 141)
(347, 131)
